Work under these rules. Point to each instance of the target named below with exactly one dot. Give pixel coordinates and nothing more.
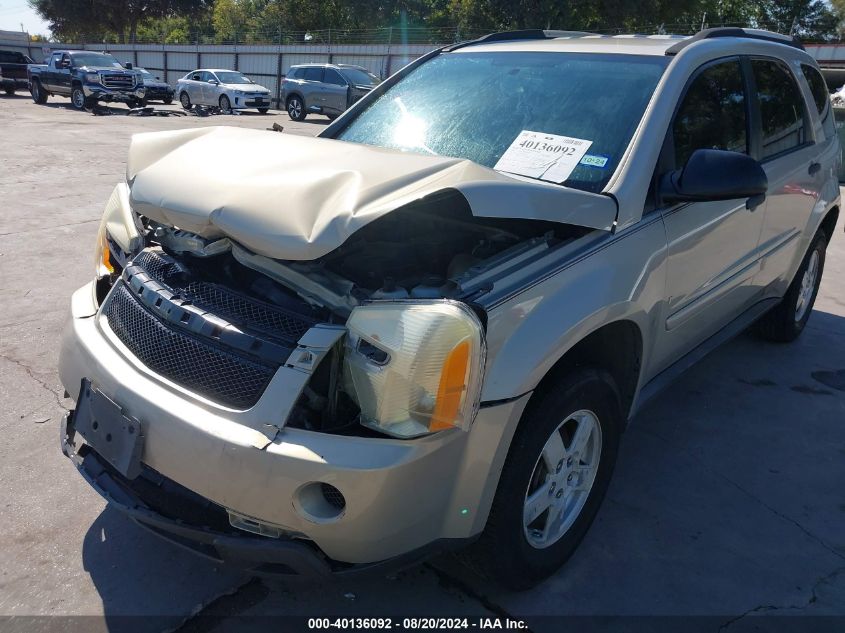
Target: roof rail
(730, 31)
(509, 36)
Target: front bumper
(101, 93)
(240, 102)
(400, 495)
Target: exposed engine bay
(431, 249)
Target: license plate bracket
(115, 436)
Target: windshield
(359, 77)
(99, 60)
(476, 105)
(231, 77)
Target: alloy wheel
(562, 479)
(808, 286)
(295, 108)
(78, 98)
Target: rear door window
(781, 108)
(313, 74)
(333, 77)
(712, 114)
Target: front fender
(623, 278)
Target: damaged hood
(299, 198)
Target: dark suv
(324, 89)
(13, 70)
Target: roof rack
(729, 31)
(510, 36)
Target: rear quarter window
(821, 97)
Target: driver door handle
(814, 168)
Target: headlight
(414, 367)
(103, 265)
(92, 78)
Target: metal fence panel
(218, 60)
(150, 59)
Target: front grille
(197, 364)
(118, 81)
(247, 312)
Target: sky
(13, 13)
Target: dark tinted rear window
(781, 107)
(313, 74)
(11, 57)
(818, 87)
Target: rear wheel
(77, 98)
(225, 104)
(168, 100)
(554, 479)
(37, 92)
(185, 100)
(9, 91)
(263, 110)
(295, 108)
(787, 320)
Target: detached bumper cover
(101, 93)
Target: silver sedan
(225, 89)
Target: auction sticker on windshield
(543, 156)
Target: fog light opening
(319, 502)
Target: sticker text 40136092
(544, 156)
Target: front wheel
(168, 100)
(39, 96)
(225, 104)
(77, 98)
(185, 100)
(263, 110)
(787, 320)
(9, 91)
(554, 480)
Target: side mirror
(128, 65)
(158, 78)
(65, 63)
(712, 174)
(214, 82)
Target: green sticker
(592, 160)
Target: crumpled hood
(299, 198)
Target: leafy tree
(72, 19)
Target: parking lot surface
(728, 498)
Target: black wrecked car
(156, 89)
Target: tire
(77, 98)
(9, 91)
(37, 92)
(505, 552)
(185, 100)
(225, 104)
(785, 322)
(168, 100)
(263, 110)
(295, 108)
